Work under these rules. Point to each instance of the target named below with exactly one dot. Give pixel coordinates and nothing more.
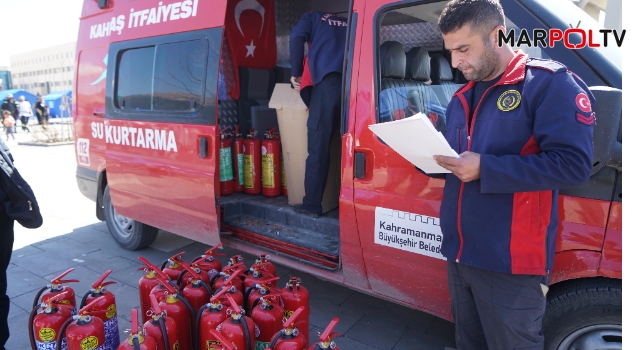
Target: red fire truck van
(158, 82)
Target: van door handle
(359, 168)
(204, 147)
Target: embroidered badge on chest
(509, 100)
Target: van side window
(133, 89)
(164, 77)
(178, 79)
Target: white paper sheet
(417, 140)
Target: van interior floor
(275, 220)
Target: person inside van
(318, 77)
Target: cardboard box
(292, 120)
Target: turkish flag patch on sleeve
(586, 120)
(251, 33)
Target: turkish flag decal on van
(251, 33)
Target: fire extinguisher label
(47, 334)
(410, 232)
(111, 334)
(240, 161)
(261, 345)
(268, 171)
(226, 165)
(248, 171)
(51, 345)
(213, 344)
(90, 343)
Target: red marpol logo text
(571, 38)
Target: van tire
(584, 314)
(130, 234)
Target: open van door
(161, 134)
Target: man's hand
(295, 81)
(466, 168)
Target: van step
(274, 218)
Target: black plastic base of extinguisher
(36, 301)
(62, 332)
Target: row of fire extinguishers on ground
(199, 305)
(251, 165)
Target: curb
(42, 144)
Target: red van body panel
(611, 263)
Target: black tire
(130, 234)
(585, 314)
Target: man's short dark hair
(483, 15)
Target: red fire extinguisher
(195, 291)
(221, 343)
(255, 292)
(237, 271)
(151, 285)
(213, 266)
(271, 164)
(172, 267)
(239, 329)
(199, 266)
(293, 296)
(258, 275)
(265, 260)
(46, 324)
(268, 316)
(162, 328)
(252, 164)
(85, 330)
(290, 338)
(283, 180)
(56, 287)
(226, 165)
(178, 308)
(105, 301)
(138, 340)
(238, 161)
(235, 292)
(209, 317)
(326, 336)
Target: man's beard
(486, 67)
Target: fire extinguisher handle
(99, 283)
(294, 317)
(327, 334)
(58, 280)
(210, 250)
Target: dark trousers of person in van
(324, 120)
(6, 246)
(493, 310)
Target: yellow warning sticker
(211, 343)
(89, 343)
(47, 334)
(111, 311)
(248, 171)
(268, 171)
(288, 313)
(65, 302)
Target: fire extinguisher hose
(179, 281)
(164, 264)
(84, 299)
(165, 336)
(37, 298)
(246, 297)
(31, 330)
(255, 303)
(136, 343)
(206, 286)
(247, 335)
(202, 308)
(63, 330)
(275, 340)
(193, 313)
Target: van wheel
(584, 315)
(130, 234)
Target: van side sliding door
(162, 140)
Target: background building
(5, 79)
(45, 70)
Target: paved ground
(71, 236)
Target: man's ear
(494, 35)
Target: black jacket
(10, 106)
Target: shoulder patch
(548, 65)
(586, 120)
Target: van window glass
(133, 89)
(414, 70)
(179, 76)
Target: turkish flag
(251, 33)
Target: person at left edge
(318, 77)
(6, 246)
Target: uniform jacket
(534, 132)
(326, 35)
(10, 106)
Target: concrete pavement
(71, 236)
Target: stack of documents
(417, 140)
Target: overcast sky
(29, 25)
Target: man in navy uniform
(318, 77)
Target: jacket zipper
(469, 133)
